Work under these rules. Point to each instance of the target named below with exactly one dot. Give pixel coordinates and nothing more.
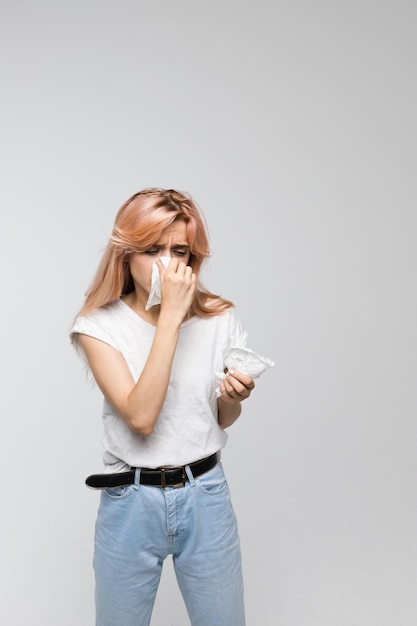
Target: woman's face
(172, 243)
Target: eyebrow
(158, 246)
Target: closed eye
(180, 251)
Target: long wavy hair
(139, 223)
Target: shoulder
(227, 322)
(227, 317)
(99, 323)
(101, 316)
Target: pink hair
(138, 224)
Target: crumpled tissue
(155, 292)
(244, 360)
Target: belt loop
(190, 475)
(136, 482)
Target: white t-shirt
(187, 428)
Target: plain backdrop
(293, 126)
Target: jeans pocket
(213, 482)
(117, 493)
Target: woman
(164, 414)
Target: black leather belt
(160, 477)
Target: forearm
(145, 401)
(229, 411)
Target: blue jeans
(139, 526)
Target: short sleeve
(90, 325)
(238, 336)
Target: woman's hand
(178, 286)
(236, 386)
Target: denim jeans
(139, 526)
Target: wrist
(169, 321)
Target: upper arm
(110, 371)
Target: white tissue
(155, 292)
(244, 360)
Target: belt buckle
(177, 485)
(183, 480)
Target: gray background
(292, 124)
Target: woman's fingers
(175, 266)
(238, 386)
